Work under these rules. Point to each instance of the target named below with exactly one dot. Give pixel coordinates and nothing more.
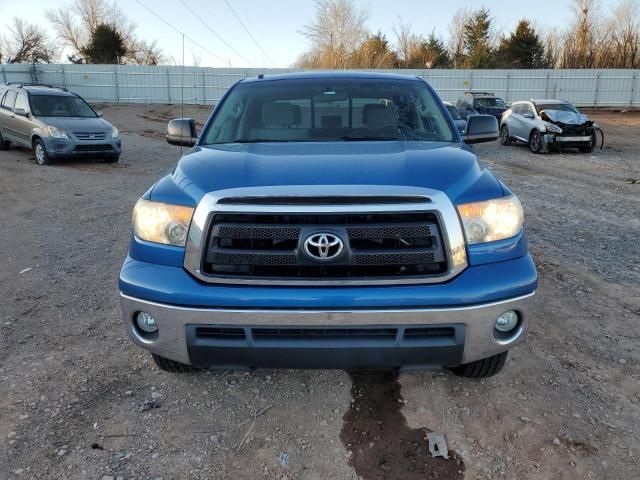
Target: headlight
(161, 222)
(114, 133)
(55, 132)
(553, 128)
(491, 220)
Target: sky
(275, 24)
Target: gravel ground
(72, 386)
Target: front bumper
(70, 148)
(236, 338)
(571, 141)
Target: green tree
(522, 49)
(477, 39)
(436, 53)
(105, 46)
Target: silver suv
(55, 123)
(547, 124)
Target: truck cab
(329, 220)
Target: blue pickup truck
(329, 220)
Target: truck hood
(441, 166)
(79, 124)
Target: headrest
(331, 121)
(378, 116)
(279, 114)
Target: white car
(547, 124)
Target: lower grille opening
(428, 332)
(221, 333)
(326, 334)
(93, 148)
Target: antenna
(182, 98)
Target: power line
(248, 32)
(180, 32)
(214, 33)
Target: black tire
(4, 145)
(487, 367)
(40, 152)
(172, 366)
(505, 138)
(111, 159)
(591, 146)
(536, 142)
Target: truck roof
(331, 74)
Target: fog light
(146, 322)
(507, 321)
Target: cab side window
(8, 100)
(21, 102)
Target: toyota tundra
(329, 220)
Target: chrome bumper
(480, 342)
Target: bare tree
(76, 23)
(456, 40)
(338, 30)
(585, 37)
(622, 48)
(25, 43)
(405, 41)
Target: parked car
(55, 123)
(329, 220)
(460, 122)
(472, 103)
(545, 124)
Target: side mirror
(481, 128)
(528, 115)
(99, 114)
(182, 131)
(20, 111)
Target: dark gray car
(55, 123)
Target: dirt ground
(567, 405)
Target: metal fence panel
(204, 85)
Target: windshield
(489, 102)
(328, 110)
(60, 106)
(563, 107)
(453, 111)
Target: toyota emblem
(323, 246)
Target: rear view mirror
(20, 111)
(182, 131)
(481, 128)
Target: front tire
(487, 367)
(505, 138)
(4, 145)
(172, 366)
(536, 144)
(40, 152)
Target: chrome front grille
(392, 235)
(89, 136)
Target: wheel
(535, 142)
(487, 367)
(505, 138)
(111, 159)
(42, 157)
(172, 366)
(592, 144)
(4, 145)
